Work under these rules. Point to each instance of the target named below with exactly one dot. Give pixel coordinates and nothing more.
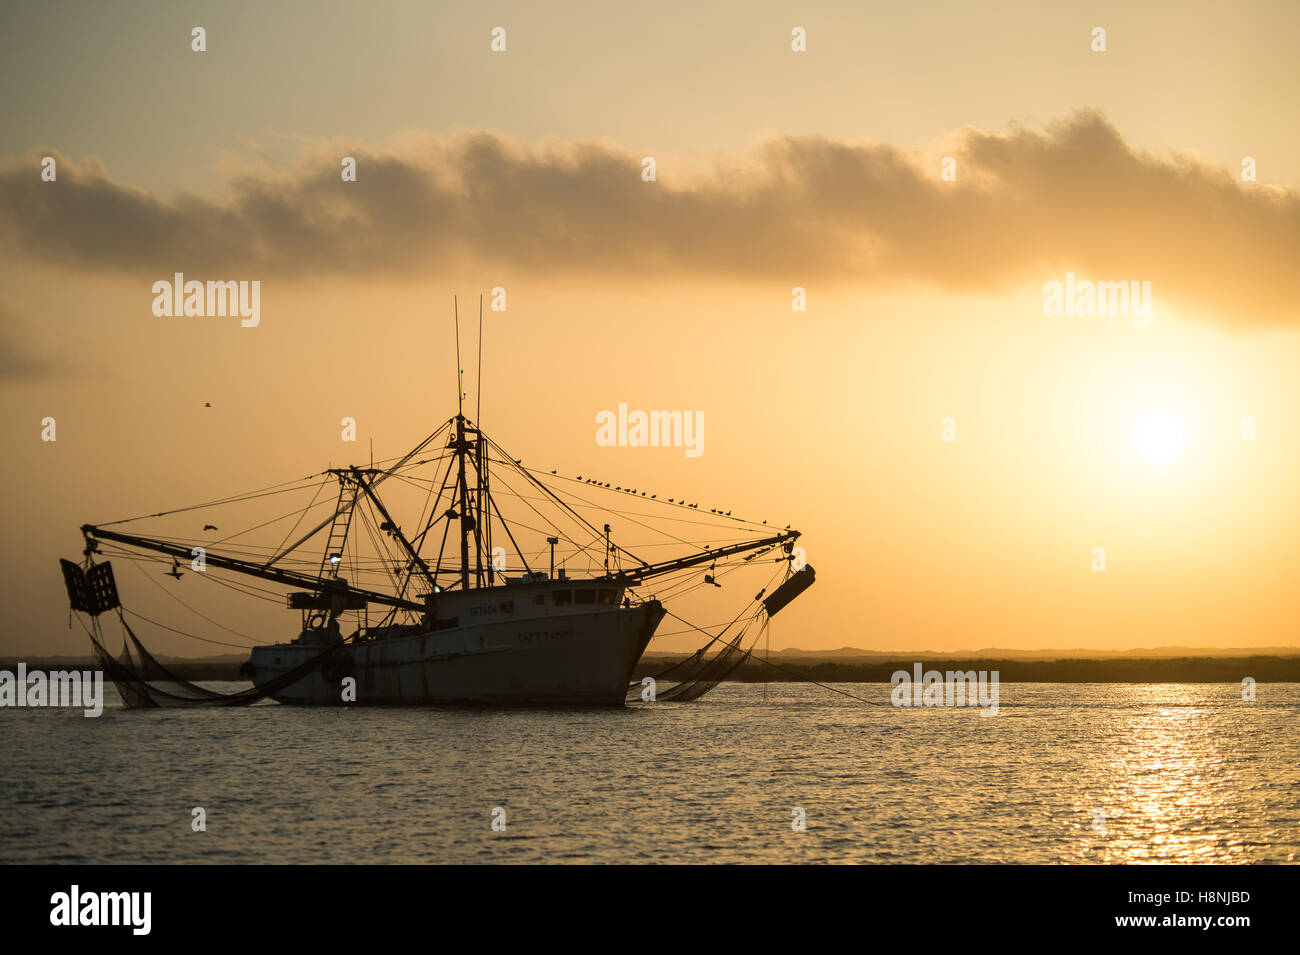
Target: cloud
(19, 358)
(1025, 207)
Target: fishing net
(142, 681)
(704, 669)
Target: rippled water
(1065, 773)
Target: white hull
(584, 657)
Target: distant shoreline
(858, 666)
(1261, 668)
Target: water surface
(1064, 773)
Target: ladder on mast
(329, 567)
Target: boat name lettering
(531, 635)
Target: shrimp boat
(483, 617)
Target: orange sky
(775, 169)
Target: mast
(467, 522)
(483, 540)
(466, 518)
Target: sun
(1158, 436)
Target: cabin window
(584, 595)
(561, 598)
(606, 597)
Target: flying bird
(210, 527)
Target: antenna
(478, 411)
(460, 390)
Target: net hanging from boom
(141, 679)
(144, 682)
(712, 663)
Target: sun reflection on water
(1164, 782)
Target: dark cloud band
(1024, 207)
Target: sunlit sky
(775, 169)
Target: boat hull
(584, 658)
